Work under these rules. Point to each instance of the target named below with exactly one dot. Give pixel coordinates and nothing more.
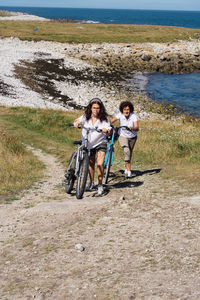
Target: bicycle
(78, 167)
(108, 162)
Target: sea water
(189, 19)
(181, 90)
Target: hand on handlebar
(75, 124)
(106, 131)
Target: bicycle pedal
(69, 174)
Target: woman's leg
(100, 166)
(131, 144)
(125, 146)
(128, 165)
(91, 167)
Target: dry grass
(170, 142)
(19, 168)
(173, 146)
(84, 33)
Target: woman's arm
(106, 127)
(113, 120)
(77, 122)
(135, 126)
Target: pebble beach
(85, 58)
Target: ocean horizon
(178, 18)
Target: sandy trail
(144, 245)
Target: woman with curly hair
(127, 137)
(95, 117)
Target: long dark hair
(103, 116)
(124, 104)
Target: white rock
(79, 247)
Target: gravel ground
(139, 242)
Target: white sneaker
(100, 189)
(128, 174)
(90, 187)
(125, 172)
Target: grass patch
(174, 143)
(173, 146)
(94, 33)
(11, 199)
(19, 168)
(42, 128)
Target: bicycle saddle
(77, 142)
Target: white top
(127, 122)
(94, 138)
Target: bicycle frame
(78, 166)
(108, 149)
(112, 142)
(83, 147)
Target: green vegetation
(19, 168)
(172, 146)
(90, 33)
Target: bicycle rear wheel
(70, 174)
(82, 177)
(109, 162)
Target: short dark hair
(124, 104)
(103, 116)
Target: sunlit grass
(169, 142)
(89, 33)
(19, 168)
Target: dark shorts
(101, 147)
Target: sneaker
(100, 189)
(90, 187)
(128, 174)
(125, 172)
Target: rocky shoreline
(19, 16)
(66, 76)
(171, 58)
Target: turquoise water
(182, 90)
(190, 19)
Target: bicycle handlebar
(117, 128)
(96, 129)
(90, 129)
(86, 128)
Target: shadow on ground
(117, 179)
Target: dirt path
(141, 241)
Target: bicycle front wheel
(70, 174)
(109, 163)
(82, 176)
